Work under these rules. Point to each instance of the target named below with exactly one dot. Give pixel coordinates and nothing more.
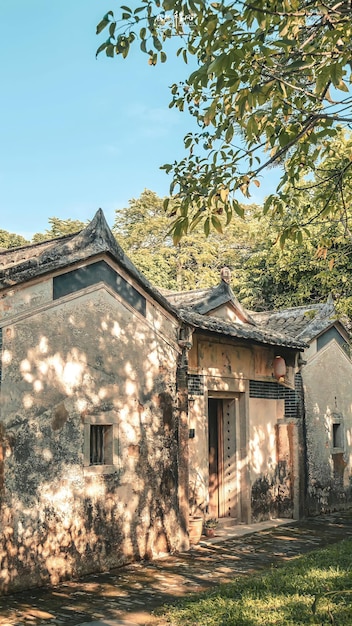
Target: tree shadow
(81, 361)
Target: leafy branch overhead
(271, 87)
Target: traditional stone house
(246, 438)
(326, 368)
(91, 443)
(120, 404)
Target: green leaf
(229, 134)
(210, 113)
(103, 24)
(336, 73)
(216, 223)
(229, 215)
(157, 44)
(238, 208)
(125, 49)
(252, 127)
(168, 5)
(110, 50)
(211, 26)
(179, 228)
(284, 139)
(167, 167)
(323, 80)
(101, 48)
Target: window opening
(337, 435)
(101, 444)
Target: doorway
(224, 467)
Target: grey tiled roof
(204, 301)
(183, 299)
(250, 332)
(303, 322)
(195, 308)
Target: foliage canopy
(264, 276)
(271, 87)
(11, 240)
(59, 228)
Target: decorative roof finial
(225, 275)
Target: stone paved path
(128, 595)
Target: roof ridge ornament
(225, 274)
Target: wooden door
(224, 497)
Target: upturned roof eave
(207, 300)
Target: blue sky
(79, 133)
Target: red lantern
(279, 366)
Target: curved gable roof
(204, 301)
(20, 265)
(197, 308)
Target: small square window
(101, 441)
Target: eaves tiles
(303, 322)
(240, 331)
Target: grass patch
(298, 593)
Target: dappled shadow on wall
(62, 516)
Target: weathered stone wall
(328, 405)
(263, 449)
(87, 360)
(17, 302)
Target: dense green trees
(297, 274)
(307, 225)
(264, 275)
(11, 240)
(271, 86)
(143, 230)
(59, 228)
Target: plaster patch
(60, 417)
